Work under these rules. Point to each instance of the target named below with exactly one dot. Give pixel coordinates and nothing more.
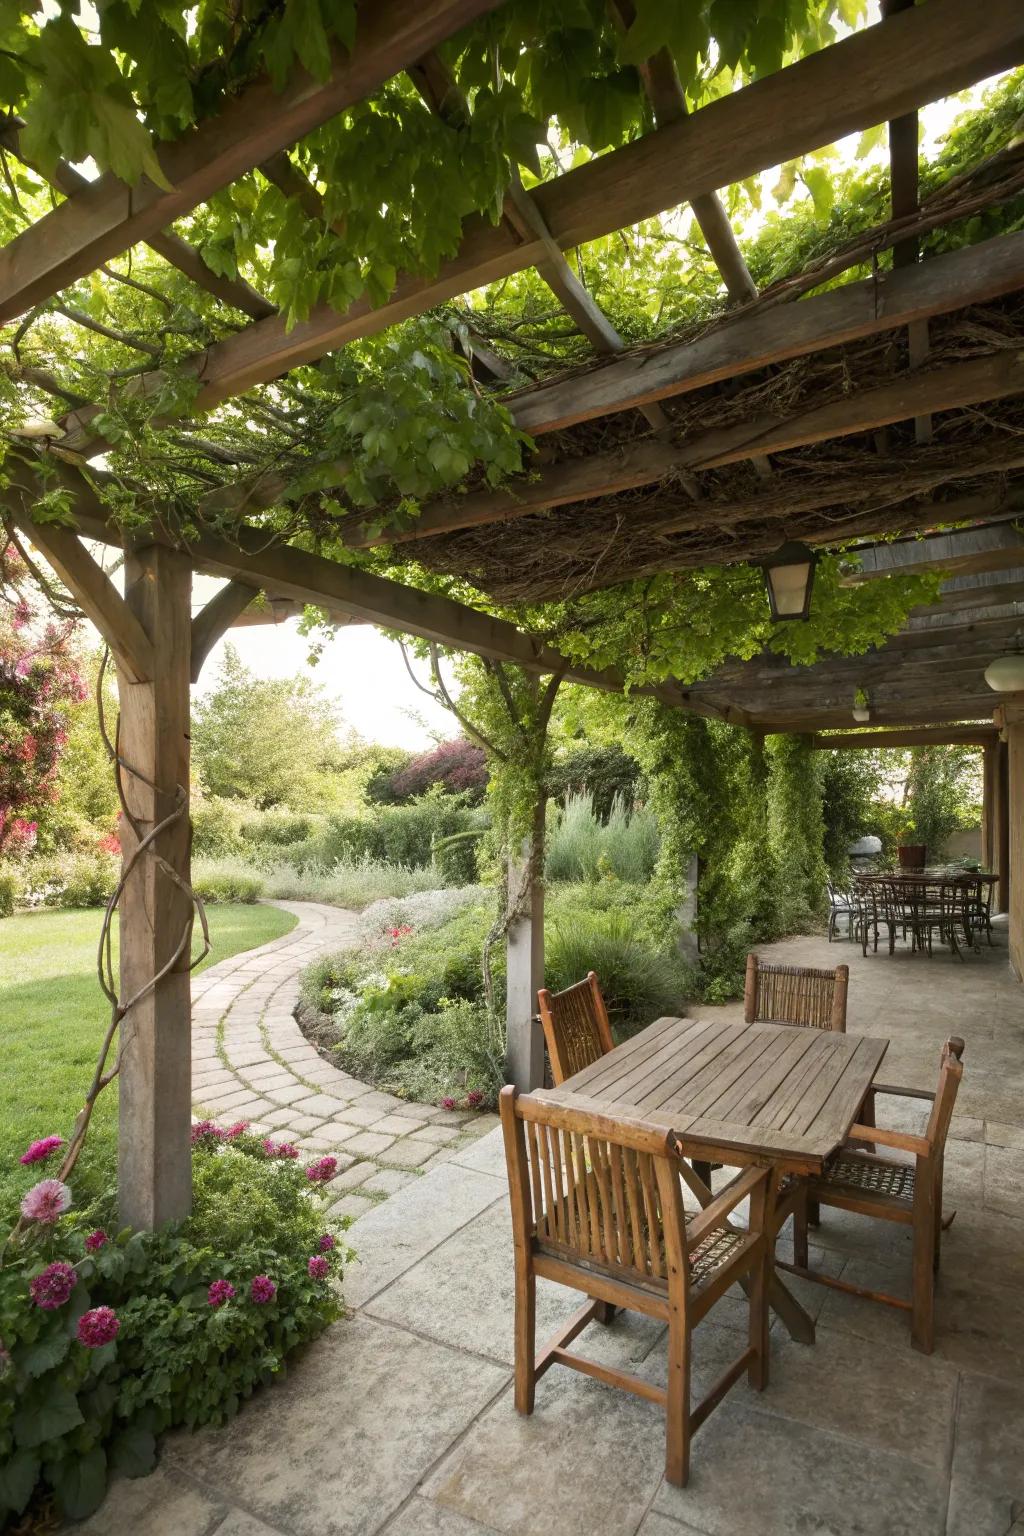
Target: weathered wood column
(988, 799)
(525, 975)
(1001, 827)
(1013, 722)
(154, 1155)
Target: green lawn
(52, 1019)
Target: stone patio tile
(336, 1447)
(238, 1523)
(303, 1123)
(421, 1517)
(439, 1134)
(366, 1144)
(162, 1504)
(327, 1138)
(1004, 1180)
(757, 1475)
(660, 1525)
(289, 1094)
(350, 1177)
(405, 1228)
(978, 1510)
(394, 1125)
(421, 1112)
(252, 1108)
(407, 1152)
(382, 1101)
(353, 1205)
(279, 1117)
(321, 1104)
(224, 1101)
(989, 1445)
(999, 1135)
(586, 1461)
(487, 1155)
(364, 1115)
(388, 1181)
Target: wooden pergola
(661, 491)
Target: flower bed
(108, 1338)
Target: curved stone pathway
(251, 1061)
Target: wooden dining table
(769, 1095)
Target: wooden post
(154, 1155)
(1013, 719)
(988, 796)
(1001, 827)
(525, 975)
(686, 913)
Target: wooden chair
(597, 1206)
(576, 1027)
(908, 1192)
(795, 994)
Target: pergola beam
(108, 217)
(923, 736)
(964, 551)
(876, 74)
(647, 462)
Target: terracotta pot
(911, 855)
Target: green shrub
(393, 834)
(71, 879)
(639, 980)
(279, 829)
(601, 774)
(226, 880)
(217, 826)
(70, 1413)
(583, 847)
(9, 890)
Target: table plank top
(755, 1091)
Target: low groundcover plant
(108, 1338)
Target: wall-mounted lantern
(789, 577)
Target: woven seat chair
(795, 994)
(597, 1206)
(891, 1190)
(576, 1027)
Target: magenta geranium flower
(322, 1170)
(280, 1148)
(53, 1287)
(238, 1129)
(206, 1130)
(318, 1267)
(39, 1151)
(448, 1103)
(262, 1289)
(46, 1201)
(220, 1292)
(97, 1327)
(474, 1099)
(326, 1243)
(96, 1240)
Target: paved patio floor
(400, 1421)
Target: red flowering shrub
(458, 765)
(39, 678)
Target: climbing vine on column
(796, 832)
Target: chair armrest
(715, 1214)
(903, 1093)
(904, 1142)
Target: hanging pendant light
(1006, 673)
(789, 577)
(861, 707)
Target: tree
(39, 682)
(942, 794)
(265, 740)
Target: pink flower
(318, 1267)
(206, 1130)
(97, 1327)
(46, 1201)
(323, 1170)
(262, 1289)
(238, 1129)
(109, 843)
(96, 1240)
(326, 1243)
(280, 1148)
(220, 1292)
(448, 1103)
(40, 1150)
(52, 1288)
(474, 1099)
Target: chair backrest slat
(950, 1072)
(576, 1027)
(791, 994)
(594, 1187)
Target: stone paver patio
(400, 1421)
(251, 1061)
